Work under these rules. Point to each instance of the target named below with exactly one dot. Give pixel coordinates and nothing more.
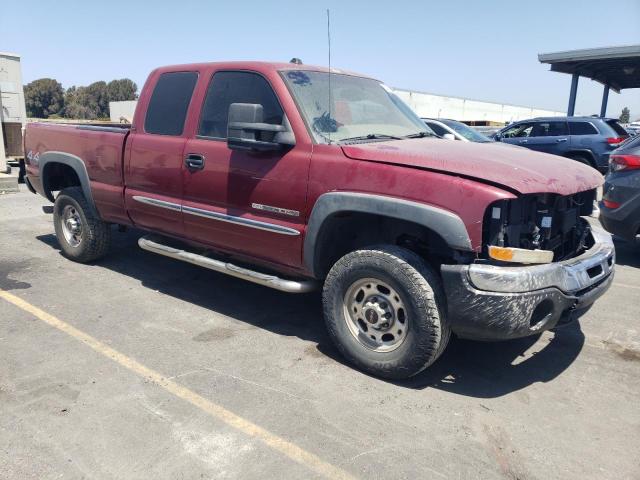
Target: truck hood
(519, 169)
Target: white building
(464, 109)
(12, 108)
(122, 112)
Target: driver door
(244, 201)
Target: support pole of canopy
(605, 100)
(572, 95)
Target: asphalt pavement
(140, 366)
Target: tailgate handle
(194, 161)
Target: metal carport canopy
(617, 68)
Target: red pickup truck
(297, 177)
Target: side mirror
(497, 137)
(449, 136)
(247, 131)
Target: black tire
(427, 328)
(95, 237)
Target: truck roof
(258, 66)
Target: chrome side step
(153, 244)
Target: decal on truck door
(269, 208)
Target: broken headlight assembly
(539, 228)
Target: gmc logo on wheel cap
(371, 316)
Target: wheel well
(582, 154)
(345, 232)
(57, 176)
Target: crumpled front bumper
(488, 302)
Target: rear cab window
(169, 103)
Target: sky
(484, 50)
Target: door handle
(194, 161)
(560, 140)
(524, 141)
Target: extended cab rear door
(240, 201)
(153, 163)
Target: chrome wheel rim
(72, 225)
(375, 314)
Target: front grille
(541, 221)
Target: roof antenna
(329, 42)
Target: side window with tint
(517, 131)
(236, 87)
(582, 128)
(169, 103)
(549, 129)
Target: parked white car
(454, 130)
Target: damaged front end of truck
(544, 261)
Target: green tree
(92, 102)
(99, 98)
(120, 90)
(80, 103)
(43, 97)
(625, 116)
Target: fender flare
(443, 222)
(76, 164)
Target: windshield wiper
(421, 135)
(371, 136)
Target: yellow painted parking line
(292, 451)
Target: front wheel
(385, 310)
(82, 236)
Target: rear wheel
(385, 310)
(82, 236)
(583, 159)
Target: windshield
(466, 131)
(361, 109)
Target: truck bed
(101, 148)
